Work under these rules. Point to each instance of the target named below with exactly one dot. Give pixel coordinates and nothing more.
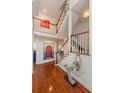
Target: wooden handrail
(78, 43)
(61, 13)
(41, 19)
(62, 46)
(60, 50)
(60, 16)
(80, 33)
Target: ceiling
(52, 8)
(77, 16)
(81, 6)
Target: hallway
(49, 79)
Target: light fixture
(44, 10)
(86, 13)
(50, 88)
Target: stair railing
(80, 41)
(60, 54)
(62, 16)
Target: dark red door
(49, 51)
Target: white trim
(44, 34)
(46, 61)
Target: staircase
(79, 42)
(62, 52)
(65, 57)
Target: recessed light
(86, 13)
(44, 10)
(50, 88)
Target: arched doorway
(49, 51)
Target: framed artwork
(45, 24)
(48, 51)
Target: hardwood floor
(50, 79)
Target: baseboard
(47, 62)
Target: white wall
(66, 48)
(86, 61)
(85, 78)
(81, 26)
(44, 34)
(38, 43)
(37, 27)
(86, 67)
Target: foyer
(61, 41)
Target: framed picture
(48, 51)
(45, 24)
